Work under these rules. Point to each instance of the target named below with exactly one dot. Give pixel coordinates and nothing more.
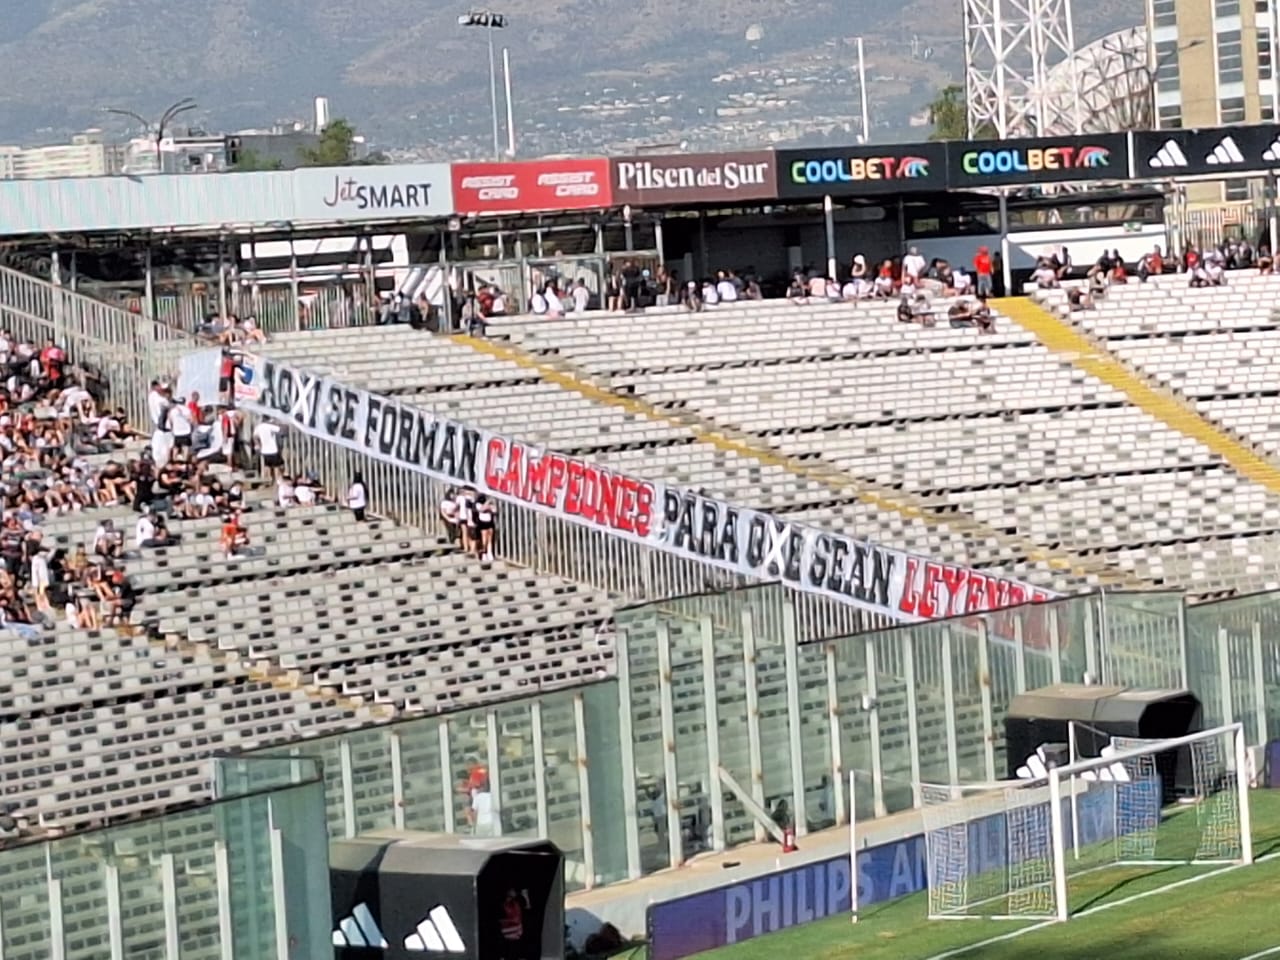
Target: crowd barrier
(127, 350)
(244, 876)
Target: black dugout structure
(404, 896)
(1040, 718)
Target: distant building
(1214, 65)
(85, 156)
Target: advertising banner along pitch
(532, 186)
(988, 163)
(1217, 151)
(894, 584)
(859, 171)
(694, 178)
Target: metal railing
(126, 349)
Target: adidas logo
(1169, 155)
(359, 930)
(1225, 152)
(1272, 153)
(436, 934)
(1037, 768)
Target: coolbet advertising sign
(857, 171)
(1220, 151)
(687, 524)
(1040, 160)
(694, 178)
(372, 193)
(531, 187)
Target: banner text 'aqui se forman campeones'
(895, 584)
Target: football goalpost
(1019, 849)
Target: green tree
(949, 114)
(336, 148)
(251, 161)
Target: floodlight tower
(1010, 46)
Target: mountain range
(406, 74)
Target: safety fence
(244, 876)
(126, 350)
(630, 775)
(725, 682)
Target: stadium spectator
(914, 266)
(150, 532)
(581, 297)
(1151, 264)
(304, 490)
(1046, 275)
(486, 524)
(358, 497)
(982, 271)
(107, 542)
(235, 536)
(450, 513)
(266, 440)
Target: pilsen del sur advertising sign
(694, 178)
(534, 186)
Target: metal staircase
(128, 350)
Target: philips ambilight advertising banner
(813, 891)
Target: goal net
(1032, 847)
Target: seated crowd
(53, 432)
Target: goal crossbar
(1033, 823)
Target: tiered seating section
(1215, 346)
(329, 625)
(1004, 444)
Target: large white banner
(901, 586)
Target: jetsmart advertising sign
(861, 171)
(694, 178)
(386, 192)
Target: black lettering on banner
(335, 397)
(757, 540)
(820, 562)
(795, 553)
(776, 562)
(372, 423)
(351, 403)
(387, 425)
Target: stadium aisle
(1166, 406)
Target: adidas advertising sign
(1209, 152)
(410, 896)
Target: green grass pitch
(1145, 913)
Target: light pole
(182, 106)
(1154, 76)
(490, 21)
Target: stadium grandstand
(816, 556)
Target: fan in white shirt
(913, 264)
(267, 436)
(726, 291)
(581, 298)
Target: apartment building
(1215, 65)
(85, 156)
